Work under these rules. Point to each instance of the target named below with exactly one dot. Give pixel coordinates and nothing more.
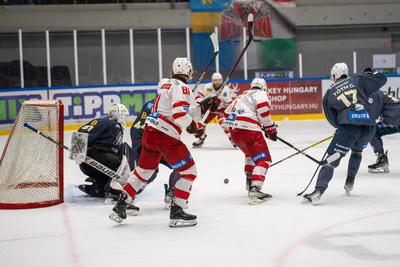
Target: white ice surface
(358, 231)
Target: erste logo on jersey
(259, 156)
(359, 116)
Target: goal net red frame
(31, 167)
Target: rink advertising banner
(292, 97)
(79, 103)
(289, 97)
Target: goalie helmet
(119, 113)
(258, 83)
(338, 70)
(216, 76)
(183, 66)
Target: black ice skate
(119, 210)
(199, 143)
(348, 186)
(313, 197)
(381, 165)
(256, 196)
(179, 218)
(169, 196)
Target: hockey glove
(210, 103)
(196, 128)
(271, 132)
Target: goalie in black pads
(105, 145)
(349, 107)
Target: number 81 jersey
(349, 101)
(170, 113)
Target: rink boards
(296, 99)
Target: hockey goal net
(31, 167)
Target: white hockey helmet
(258, 83)
(119, 113)
(216, 76)
(338, 70)
(182, 65)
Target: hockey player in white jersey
(249, 118)
(161, 138)
(209, 91)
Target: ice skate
(248, 181)
(169, 196)
(179, 218)
(348, 186)
(313, 197)
(381, 165)
(119, 210)
(199, 143)
(256, 196)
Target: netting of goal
(31, 167)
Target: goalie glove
(78, 158)
(196, 128)
(271, 132)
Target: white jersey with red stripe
(251, 111)
(227, 95)
(170, 113)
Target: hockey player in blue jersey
(349, 108)
(389, 124)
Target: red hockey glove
(196, 128)
(271, 132)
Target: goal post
(31, 167)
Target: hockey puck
(226, 180)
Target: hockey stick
(89, 161)
(299, 152)
(312, 178)
(250, 31)
(214, 41)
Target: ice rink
(356, 231)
